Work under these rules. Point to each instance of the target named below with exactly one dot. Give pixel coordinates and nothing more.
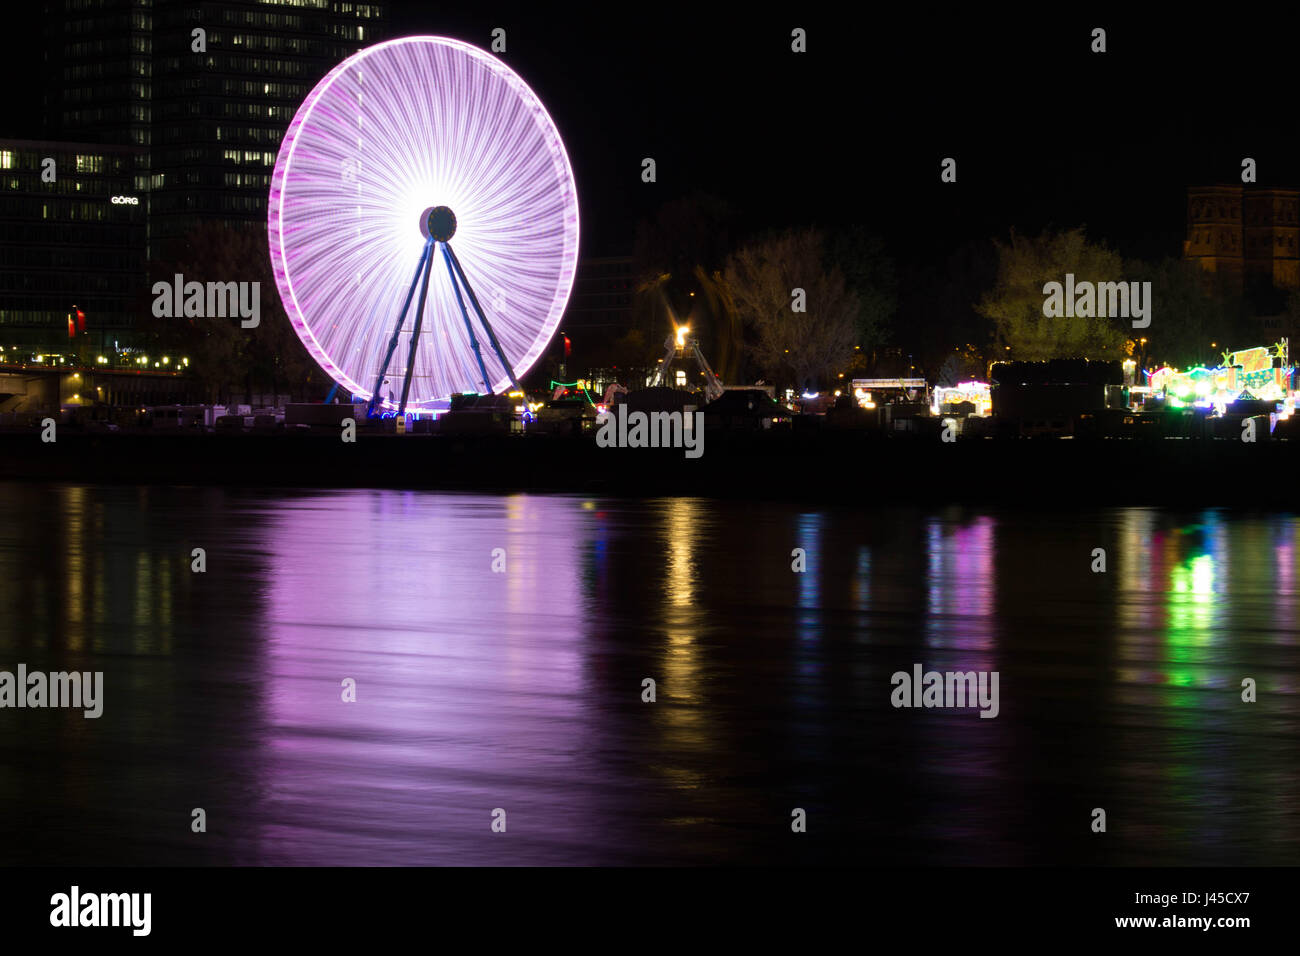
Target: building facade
(602, 295)
(72, 237)
(178, 109)
(1247, 238)
(219, 115)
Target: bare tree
(769, 281)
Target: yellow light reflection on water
(74, 604)
(680, 684)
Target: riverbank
(816, 466)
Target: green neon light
(573, 385)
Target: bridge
(33, 387)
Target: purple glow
(389, 132)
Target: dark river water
(521, 689)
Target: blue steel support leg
(397, 330)
(496, 346)
(419, 324)
(478, 354)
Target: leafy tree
(225, 358)
(870, 272)
(1015, 303)
(1191, 323)
(790, 346)
(937, 315)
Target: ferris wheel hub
(438, 223)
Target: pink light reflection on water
(452, 663)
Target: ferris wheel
(399, 149)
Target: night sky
(1044, 131)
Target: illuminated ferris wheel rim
(281, 194)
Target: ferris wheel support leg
(496, 346)
(478, 353)
(397, 331)
(415, 335)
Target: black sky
(1044, 131)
